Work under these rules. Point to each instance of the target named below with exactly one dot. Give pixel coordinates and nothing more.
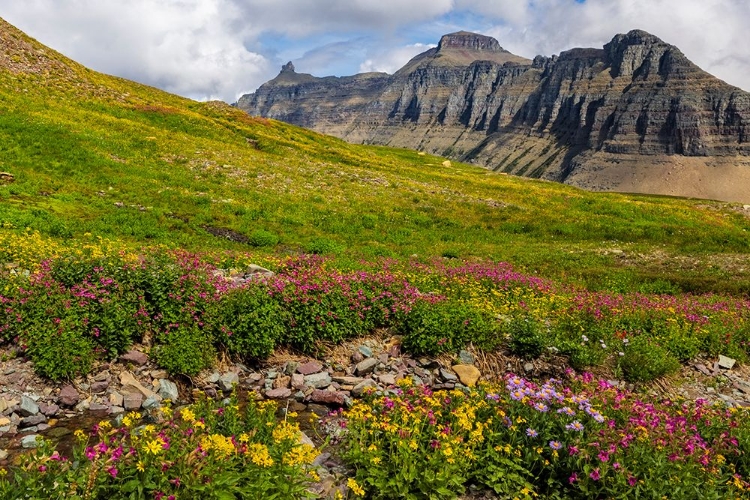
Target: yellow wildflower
(356, 488)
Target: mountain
(633, 116)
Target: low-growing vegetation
(68, 310)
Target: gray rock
(213, 378)
(466, 357)
(360, 388)
(98, 407)
(151, 403)
(347, 380)
(319, 380)
(447, 376)
(3, 454)
(168, 390)
(29, 442)
(387, 379)
(726, 362)
(366, 366)
(228, 380)
(33, 420)
(48, 410)
(290, 367)
(99, 387)
(28, 406)
(366, 351)
(529, 367)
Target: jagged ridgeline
(633, 116)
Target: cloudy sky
(221, 49)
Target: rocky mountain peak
(288, 68)
(468, 40)
(639, 50)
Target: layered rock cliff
(636, 115)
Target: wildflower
(541, 407)
(112, 471)
(531, 432)
(575, 426)
(356, 488)
(595, 475)
(573, 478)
(632, 481)
(603, 456)
(154, 446)
(555, 445)
(187, 415)
(80, 435)
(139, 466)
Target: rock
(290, 367)
(281, 382)
(151, 402)
(446, 163)
(168, 390)
(116, 399)
(102, 376)
(702, 368)
(383, 358)
(363, 386)
(309, 368)
(366, 351)
(366, 366)
(3, 404)
(466, 357)
(28, 406)
(447, 376)
(98, 407)
(467, 374)
(319, 380)
(4, 421)
(298, 381)
(387, 379)
(3, 455)
(127, 380)
(116, 409)
(726, 362)
(135, 357)
(133, 400)
(159, 374)
(279, 393)
(33, 420)
(99, 387)
(213, 378)
(347, 380)
(48, 410)
(356, 357)
(528, 367)
(29, 442)
(228, 380)
(327, 397)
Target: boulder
(28, 406)
(366, 366)
(309, 368)
(467, 374)
(279, 393)
(136, 357)
(168, 390)
(319, 380)
(228, 380)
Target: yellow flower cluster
(259, 455)
(222, 446)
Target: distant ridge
(633, 116)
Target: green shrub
(323, 246)
(645, 360)
(263, 238)
(444, 326)
(59, 348)
(185, 350)
(526, 337)
(248, 321)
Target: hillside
(87, 155)
(633, 116)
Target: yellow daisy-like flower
(140, 467)
(104, 425)
(80, 435)
(154, 446)
(187, 415)
(356, 488)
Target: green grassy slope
(97, 154)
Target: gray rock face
(228, 380)
(319, 380)
(588, 117)
(168, 390)
(29, 441)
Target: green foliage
(433, 327)
(59, 349)
(526, 337)
(645, 360)
(185, 350)
(248, 321)
(323, 246)
(263, 238)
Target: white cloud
(391, 60)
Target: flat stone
(279, 393)
(309, 368)
(383, 358)
(48, 409)
(327, 397)
(102, 376)
(319, 380)
(98, 407)
(366, 366)
(28, 406)
(116, 410)
(366, 351)
(228, 381)
(99, 387)
(702, 368)
(29, 441)
(387, 379)
(467, 374)
(363, 386)
(68, 396)
(133, 400)
(33, 420)
(4, 421)
(726, 362)
(447, 376)
(168, 390)
(347, 380)
(466, 357)
(136, 357)
(127, 380)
